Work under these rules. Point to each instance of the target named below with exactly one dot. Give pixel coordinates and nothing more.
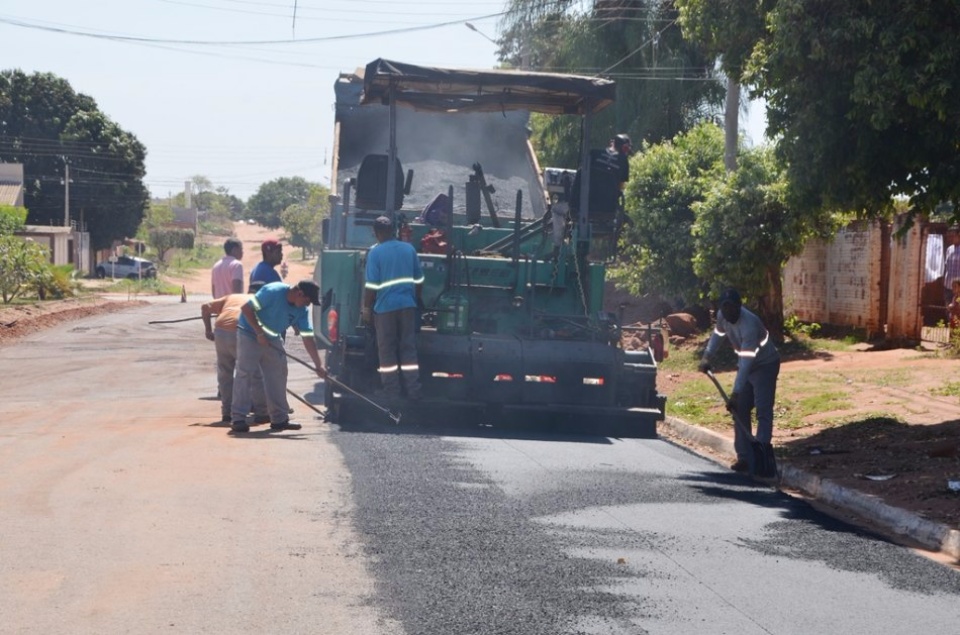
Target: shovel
(761, 462)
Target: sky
(239, 91)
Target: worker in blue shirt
(265, 270)
(391, 295)
(758, 366)
(263, 322)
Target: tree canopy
(665, 84)
(303, 220)
(269, 201)
(45, 125)
(862, 97)
(696, 228)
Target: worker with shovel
(264, 320)
(758, 366)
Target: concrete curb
(931, 535)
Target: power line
(329, 38)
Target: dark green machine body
(513, 320)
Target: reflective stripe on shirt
(754, 352)
(390, 283)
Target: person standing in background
(951, 264)
(226, 277)
(265, 271)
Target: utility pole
(66, 196)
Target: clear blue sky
(250, 111)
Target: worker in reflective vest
(758, 366)
(394, 282)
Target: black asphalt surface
(485, 531)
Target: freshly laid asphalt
(926, 533)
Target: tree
(696, 227)
(21, 261)
(269, 201)
(635, 42)
(666, 181)
(45, 125)
(745, 231)
(862, 96)
(11, 219)
(164, 239)
(302, 220)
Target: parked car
(126, 267)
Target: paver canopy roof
(446, 89)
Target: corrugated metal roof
(10, 193)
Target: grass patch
(949, 389)
(149, 286)
(202, 256)
(897, 378)
(698, 402)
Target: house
(871, 276)
(65, 244)
(11, 184)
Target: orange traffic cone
(183, 293)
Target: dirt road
(198, 282)
(127, 508)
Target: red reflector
(541, 379)
(503, 377)
(442, 375)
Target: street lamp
(482, 34)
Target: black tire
(101, 273)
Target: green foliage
(12, 219)
(163, 240)
(266, 205)
(637, 43)
(949, 389)
(22, 263)
(745, 231)
(201, 256)
(45, 124)
(863, 104)
(696, 228)
(302, 220)
(55, 282)
(157, 215)
(792, 325)
(665, 182)
(728, 29)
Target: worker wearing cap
(758, 366)
(264, 270)
(264, 320)
(390, 298)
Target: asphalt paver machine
(513, 326)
